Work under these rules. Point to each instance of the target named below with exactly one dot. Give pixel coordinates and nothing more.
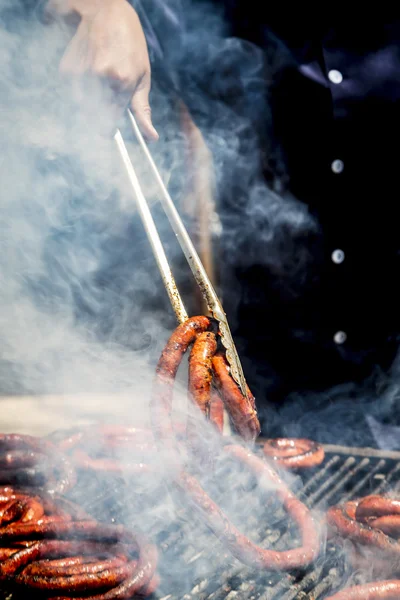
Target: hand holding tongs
(200, 275)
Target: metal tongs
(212, 301)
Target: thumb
(142, 111)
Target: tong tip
(232, 356)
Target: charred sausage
(200, 369)
(241, 410)
(99, 561)
(167, 368)
(217, 411)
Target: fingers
(109, 46)
(142, 111)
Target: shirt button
(337, 166)
(340, 337)
(335, 76)
(337, 256)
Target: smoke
(83, 311)
(76, 270)
(83, 308)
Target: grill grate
(194, 565)
(346, 473)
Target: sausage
(109, 465)
(369, 521)
(100, 561)
(68, 440)
(23, 510)
(372, 507)
(167, 368)
(26, 476)
(241, 410)
(380, 590)
(58, 581)
(20, 458)
(217, 411)
(138, 572)
(94, 448)
(342, 520)
(55, 529)
(200, 369)
(18, 506)
(294, 453)
(241, 546)
(61, 506)
(177, 345)
(10, 550)
(238, 544)
(22, 452)
(73, 566)
(200, 379)
(389, 524)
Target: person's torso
(335, 110)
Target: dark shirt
(334, 107)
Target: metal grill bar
(368, 452)
(329, 481)
(340, 485)
(311, 583)
(332, 580)
(363, 481)
(319, 476)
(344, 474)
(395, 471)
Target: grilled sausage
(100, 449)
(167, 368)
(200, 369)
(241, 546)
(138, 573)
(217, 411)
(293, 453)
(389, 524)
(372, 507)
(241, 410)
(108, 434)
(343, 521)
(23, 455)
(380, 590)
(99, 561)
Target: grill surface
(346, 473)
(194, 565)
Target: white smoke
(82, 304)
(83, 314)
